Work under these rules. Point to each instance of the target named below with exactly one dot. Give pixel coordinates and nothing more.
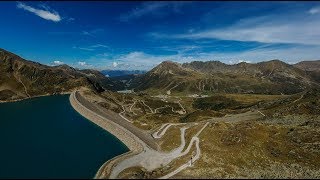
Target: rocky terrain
(311, 68)
(271, 77)
(308, 65)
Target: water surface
(46, 138)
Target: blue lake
(45, 137)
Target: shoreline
(26, 98)
(131, 141)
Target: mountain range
(116, 73)
(270, 77)
(20, 78)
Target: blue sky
(139, 35)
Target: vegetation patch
(215, 102)
(200, 115)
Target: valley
(192, 120)
(251, 129)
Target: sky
(139, 35)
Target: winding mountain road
(121, 115)
(164, 128)
(151, 159)
(194, 158)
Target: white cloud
(104, 55)
(292, 54)
(238, 61)
(145, 8)
(138, 57)
(141, 60)
(266, 29)
(293, 62)
(83, 48)
(153, 8)
(71, 19)
(86, 49)
(138, 60)
(99, 46)
(45, 14)
(91, 48)
(182, 48)
(86, 33)
(82, 63)
(314, 10)
(92, 32)
(58, 62)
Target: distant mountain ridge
(20, 78)
(269, 77)
(308, 65)
(115, 73)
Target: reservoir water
(45, 137)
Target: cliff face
(20, 78)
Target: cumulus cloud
(47, 14)
(141, 60)
(138, 60)
(138, 57)
(58, 62)
(135, 60)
